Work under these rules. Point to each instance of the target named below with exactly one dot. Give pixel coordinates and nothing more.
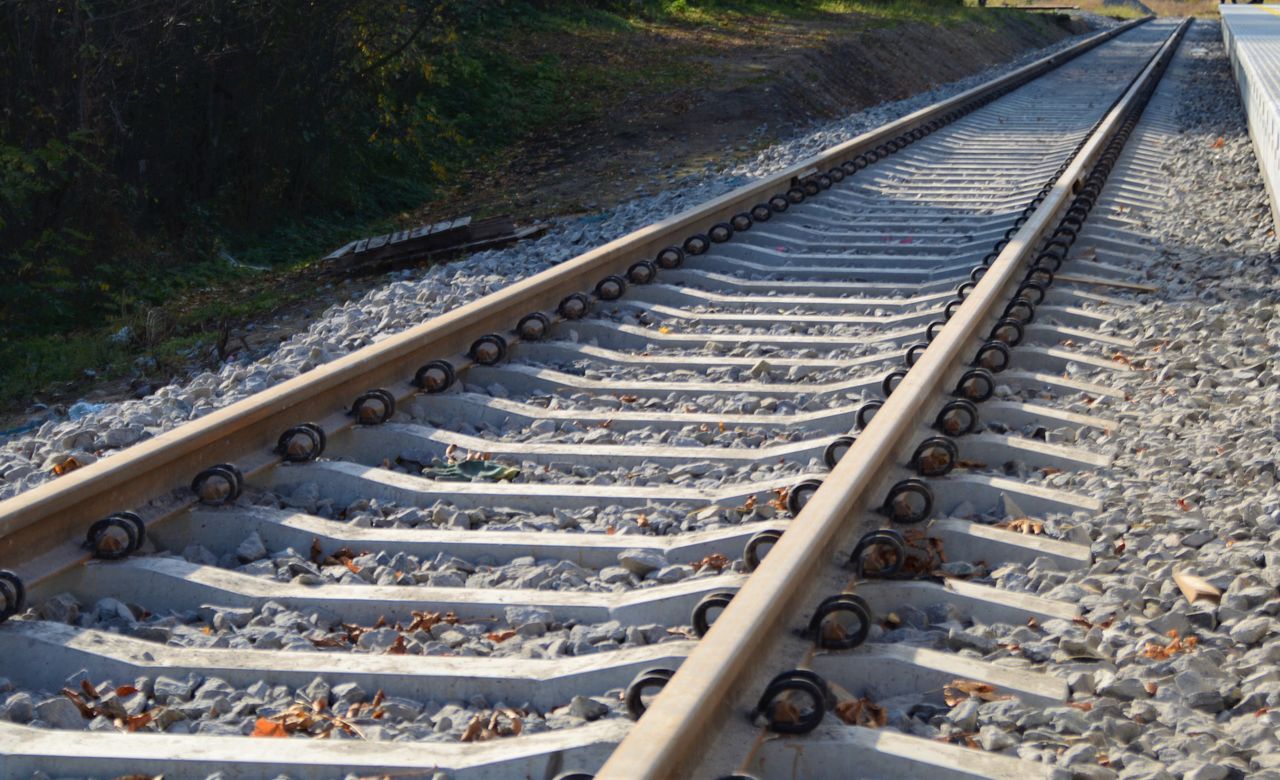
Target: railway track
(739, 493)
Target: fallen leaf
(1218, 144)
(398, 647)
(88, 689)
(1023, 525)
(328, 641)
(715, 561)
(500, 636)
(268, 728)
(1184, 505)
(475, 731)
(424, 621)
(139, 721)
(85, 709)
(1084, 706)
(126, 690)
(862, 712)
(66, 467)
(784, 711)
(1160, 652)
(957, 691)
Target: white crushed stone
(1193, 489)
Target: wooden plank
(339, 252)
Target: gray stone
(167, 686)
(1123, 688)
(522, 616)
(1251, 630)
(588, 708)
(641, 562)
(251, 549)
(60, 713)
(965, 714)
(62, 608)
(21, 707)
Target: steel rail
(713, 683)
(40, 528)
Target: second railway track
(640, 490)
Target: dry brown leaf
(500, 636)
(1084, 706)
(424, 621)
(1178, 644)
(398, 647)
(139, 721)
(88, 689)
(268, 728)
(957, 691)
(328, 641)
(779, 501)
(85, 710)
(715, 561)
(784, 711)
(126, 690)
(475, 730)
(1218, 144)
(66, 467)
(1023, 525)
(862, 712)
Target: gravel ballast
(1163, 688)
